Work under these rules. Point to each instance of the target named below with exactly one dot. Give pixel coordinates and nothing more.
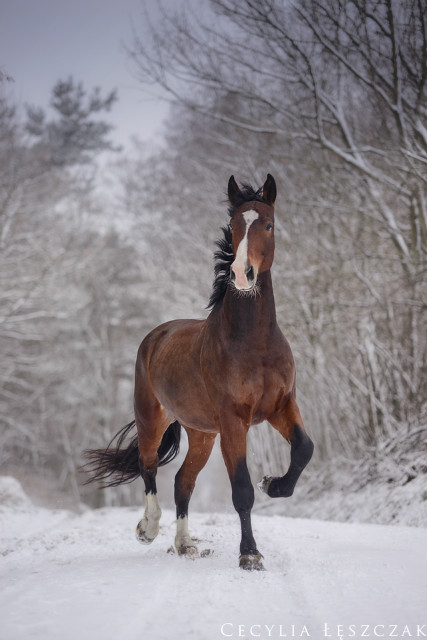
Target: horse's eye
(268, 227)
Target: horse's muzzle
(244, 279)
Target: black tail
(115, 465)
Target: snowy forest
(98, 245)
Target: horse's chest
(250, 378)
(256, 387)
(268, 397)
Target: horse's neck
(250, 318)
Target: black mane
(224, 256)
(223, 259)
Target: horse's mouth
(245, 289)
(251, 292)
(253, 288)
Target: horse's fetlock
(287, 492)
(264, 484)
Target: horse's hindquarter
(168, 366)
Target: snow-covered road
(65, 576)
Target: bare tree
(52, 263)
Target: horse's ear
(233, 190)
(269, 191)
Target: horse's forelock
(246, 194)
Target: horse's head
(252, 228)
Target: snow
(84, 576)
(340, 498)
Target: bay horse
(219, 375)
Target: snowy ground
(376, 502)
(67, 576)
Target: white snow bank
(84, 577)
(376, 503)
(12, 494)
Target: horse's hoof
(144, 533)
(277, 487)
(142, 537)
(264, 484)
(251, 562)
(188, 551)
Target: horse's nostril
(232, 275)
(250, 273)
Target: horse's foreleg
(233, 446)
(199, 449)
(290, 426)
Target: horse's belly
(176, 379)
(189, 406)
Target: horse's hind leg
(290, 426)
(150, 433)
(199, 449)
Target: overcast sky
(42, 41)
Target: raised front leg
(233, 446)
(199, 449)
(291, 427)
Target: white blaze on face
(240, 263)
